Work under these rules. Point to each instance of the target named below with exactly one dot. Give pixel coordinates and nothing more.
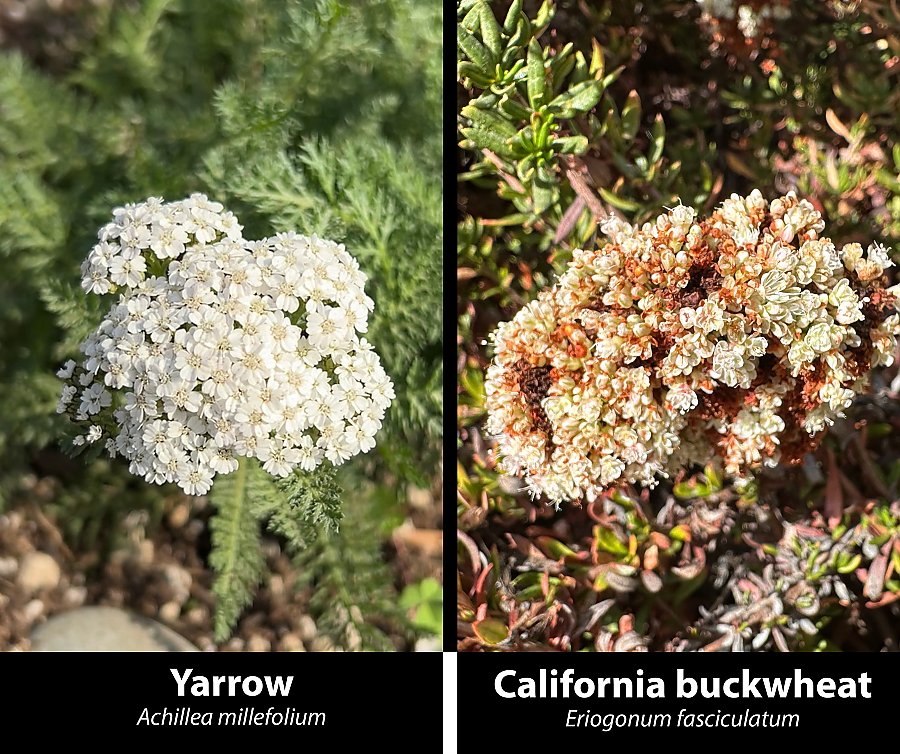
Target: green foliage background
(321, 117)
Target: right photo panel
(677, 419)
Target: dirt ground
(162, 575)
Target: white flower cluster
(742, 335)
(218, 347)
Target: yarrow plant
(742, 335)
(217, 347)
(223, 103)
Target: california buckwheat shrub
(216, 347)
(742, 335)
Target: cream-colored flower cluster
(743, 335)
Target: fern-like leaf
(236, 556)
(314, 506)
(76, 314)
(352, 594)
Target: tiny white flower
(127, 272)
(819, 337)
(67, 370)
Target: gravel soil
(161, 575)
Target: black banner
(325, 698)
(550, 698)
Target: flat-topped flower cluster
(217, 347)
(742, 335)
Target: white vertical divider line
(450, 697)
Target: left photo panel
(221, 365)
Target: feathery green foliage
(313, 506)
(298, 508)
(295, 508)
(236, 556)
(351, 592)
